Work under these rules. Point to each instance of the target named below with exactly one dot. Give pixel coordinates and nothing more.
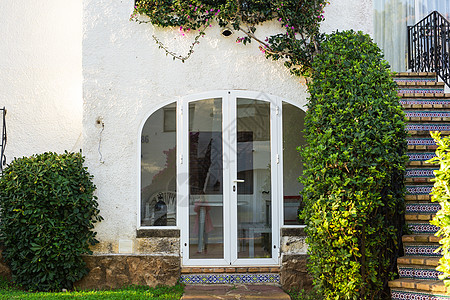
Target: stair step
(398, 75)
(245, 278)
(418, 189)
(424, 198)
(422, 250)
(419, 217)
(417, 159)
(425, 95)
(406, 294)
(418, 260)
(423, 239)
(415, 103)
(426, 87)
(427, 127)
(422, 208)
(436, 286)
(419, 175)
(420, 273)
(422, 228)
(414, 141)
(427, 116)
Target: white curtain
(391, 18)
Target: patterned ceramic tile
(414, 79)
(427, 114)
(422, 228)
(421, 250)
(229, 278)
(418, 189)
(408, 295)
(421, 156)
(420, 91)
(420, 141)
(423, 208)
(420, 173)
(425, 274)
(424, 101)
(428, 127)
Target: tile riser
(412, 295)
(421, 274)
(230, 278)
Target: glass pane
(293, 120)
(158, 168)
(205, 179)
(253, 166)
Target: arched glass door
(230, 161)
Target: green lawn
(8, 291)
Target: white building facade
(195, 163)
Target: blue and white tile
(418, 189)
(422, 156)
(427, 114)
(422, 250)
(422, 228)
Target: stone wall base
(114, 271)
(294, 274)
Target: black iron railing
(3, 136)
(429, 45)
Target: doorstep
(240, 291)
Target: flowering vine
(296, 44)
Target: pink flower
(279, 20)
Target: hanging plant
(296, 44)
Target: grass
(9, 291)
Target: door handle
(237, 181)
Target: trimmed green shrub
(441, 194)
(48, 211)
(353, 169)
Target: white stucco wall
(40, 75)
(126, 77)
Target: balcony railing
(3, 135)
(429, 45)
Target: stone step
(422, 250)
(418, 260)
(425, 95)
(406, 75)
(419, 217)
(426, 87)
(416, 103)
(419, 272)
(427, 116)
(424, 198)
(422, 208)
(423, 129)
(231, 291)
(436, 286)
(423, 239)
(408, 294)
(418, 159)
(421, 144)
(417, 227)
(420, 175)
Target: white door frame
(229, 197)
